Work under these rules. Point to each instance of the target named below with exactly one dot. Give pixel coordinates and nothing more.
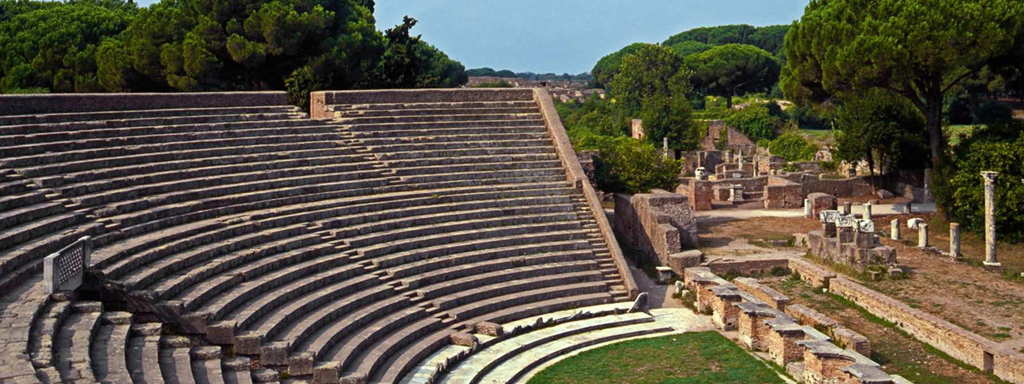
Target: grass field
(689, 358)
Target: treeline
(211, 45)
(504, 73)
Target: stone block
(301, 364)
(274, 353)
(327, 373)
(222, 332)
(464, 339)
(248, 343)
(686, 259)
(490, 329)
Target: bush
(998, 148)
(792, 147)
(494, 84)
(627, 165)
(755, 121)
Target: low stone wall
(941, 334)
(745, 267)
(659, 224)
(814, 275)
(850, 187)
(782, 193)
(88, 102)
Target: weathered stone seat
(49, 132)
(142, 113)
(438, 118)
(110, 346)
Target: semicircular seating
(349, 246)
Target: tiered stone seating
(352, 246)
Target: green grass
(689, 358)
(954, 132)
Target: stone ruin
(661, 226)
(849, 240)
(795, 337)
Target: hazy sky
(565, 35)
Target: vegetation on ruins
(627, 165)
(757, 121)
(792, 147)
(508, 74)
(999, 148)
(733, 69)
(920, 52)
(882, 129)
(206, 45)
(673, 359)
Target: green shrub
(792, 147)
(755, 121)
(628, 165)
(494, 84)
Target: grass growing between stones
(689, 358)
(897, 352)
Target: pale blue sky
(565, 35)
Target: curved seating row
(326, 249)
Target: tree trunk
(728, 101)
(936, 141)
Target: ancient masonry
(791, 335)
(237, 240)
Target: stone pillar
(922, 235)
(990, 219)
(847, 208)
(894, 229)
(867, 211)
(954, 240)
(664, 146)
(808, 210)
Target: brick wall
(658, 224)
(782, 193)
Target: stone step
(525, 107)
(80, 155)
(479, 124)
(48, 132)
(54, 174)
(206, 365)
(466, 152)
(229, 131)
(236, 370)
(509, 251)
(386, 141)
(175, 361)
(71, 347)
(439, 118)
(26, 212)
(455, 105)
(110, 347)
(150, 113)
(183, 176)
(461, 145)
(414, 108)
(144, 359)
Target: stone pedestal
(954, 240)
(808, 210)
(867, 211)
(894, 229)
(991, 260)
(922, 235)
(847, 208)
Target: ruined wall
(850, 187)
(782, 193)
(659, 224)
(941, 334)
(698, 193)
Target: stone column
(954, 240)
(867, 211)
(990, 219)
(808, 210)
(894, 229)
(847, 208)
(922, 235)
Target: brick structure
(752, 324)
(660, 225)
(821, 202)
(773, 298)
